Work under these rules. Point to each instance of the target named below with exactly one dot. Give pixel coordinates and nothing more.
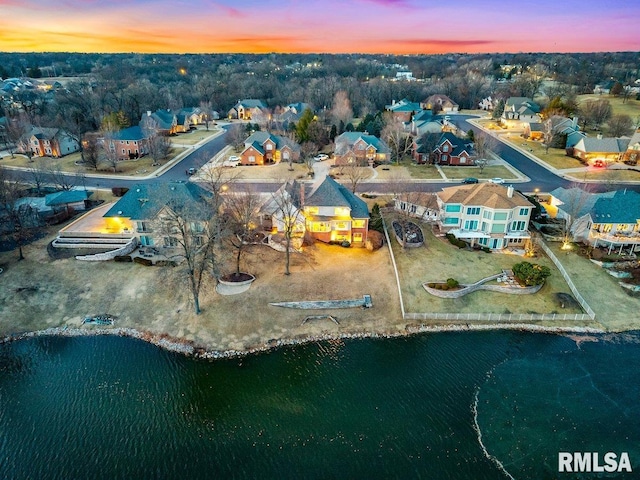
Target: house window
(357, 237)
(445, 148)
(451, 221)
(463, 159)
(524, 212)
(486, 214)
(196, 227)
(518, 226)
(473, 210)
(170, 242)
(452, 208)
(320, 227)
(358, 223)
(341, 225)
(269, 146)
(485, 227)
(444, 158)
(198, 241)
(146, 240)
(312, 210)
(413, 209)
(285, 155)
(123, 151)
(471, 225)
(143, 227)
(252, 159)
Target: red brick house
(452, 150)
(264, 148)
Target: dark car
(470, 180)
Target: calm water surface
(103, 407)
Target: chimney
(574, 123)
(393, 102)
(301, 195)
(148, 113)
(510, 191)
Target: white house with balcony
(486, 214)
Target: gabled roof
(345, 141)
(634, 141)
(488, 195)
(163, 118)
(458, 145)
(423, 115)
(65, 197)
(131, 134)
(403, 105)
(299, 107)
(536, 127)
(250, 103)
(43, 133)
(602, 145)
(576, 199)
(258, 139)
(329, 193)
(145, 201)
(439, 99)
(622, 207)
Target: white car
(232, 161)
(496, 180)
(320, 158)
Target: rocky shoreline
(189, 348)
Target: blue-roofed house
(48, 142)
(128, 143)
(74, 199)
(360, 149)
(140, 211)
(609, 219)
(403, 110)
(264, 148)
(452, 150)
(161, 121)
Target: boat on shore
(364, 302)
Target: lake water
(111, 407)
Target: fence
(566, 277)
(499, 317)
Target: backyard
(438, 260)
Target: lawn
(556, 157)
(194, 136)
(609, 175)
(439, 260)
(618, 106)
(615, 308)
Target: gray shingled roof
(602, 145)
(144, 202)
(345, 141)
(330, 193)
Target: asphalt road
(540, 177)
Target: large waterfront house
(48, 142)
(610, 219)
(360, 149)
(326, 210)
(264, 148)
(140, 212)
(487, 214)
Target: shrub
(486, 249)
(119, 191)
(452, 283)
(530, 274)
(143, 261)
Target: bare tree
(189, 228)
(573, 203)
(38, 174)
(427, 143)
(287, 203)
(109, 152)
(17, 128)
(307, 151)
(409, 207)
(235, 136)
(354, 174)
(91, 151)
(483, 144)
(394, 135)
(620, 125)
(341, 109)
(242, 208)
(18, 221)
(595, 112)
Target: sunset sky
(330, 26)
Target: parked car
(321, 157)
(496, 180)
(232, 161)
(191, 171)
(470, 180)
(599, 163)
